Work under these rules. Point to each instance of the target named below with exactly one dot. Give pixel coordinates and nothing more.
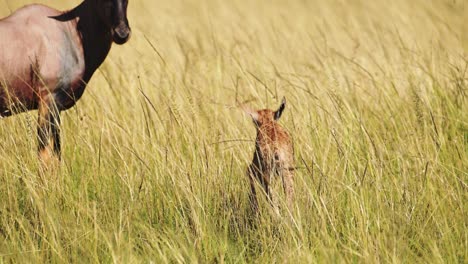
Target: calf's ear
(252, 113)
(280, 109)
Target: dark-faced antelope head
(114, 14)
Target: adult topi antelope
(273, 156)
(47, 57)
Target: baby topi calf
(273, 156)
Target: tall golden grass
(155, 152)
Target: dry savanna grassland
(155, 152)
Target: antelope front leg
(272, 199)
(48, 132)
(253, 194)
(287, 176)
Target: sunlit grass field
(155, 152)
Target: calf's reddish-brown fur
(47, 57)
(273, 156)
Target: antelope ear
(280, 109)
(252, 113)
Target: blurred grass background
(155, 152)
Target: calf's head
(265, 116)
(114, 14)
